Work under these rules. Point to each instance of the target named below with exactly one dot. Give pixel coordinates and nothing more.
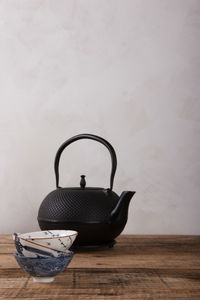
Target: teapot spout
(120, 211)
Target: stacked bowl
(44, 254)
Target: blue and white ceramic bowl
(50, 240)
(43, 268)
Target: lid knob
(82, 182)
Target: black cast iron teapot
(98, 214)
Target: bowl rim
(17, 254)
(21, 235)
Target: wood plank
(6, 239)
(131, 278)
(121, 261)
(131, 252)
(94, 282)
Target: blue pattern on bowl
(43, 266)
(18, 245)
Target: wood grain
(138, 267)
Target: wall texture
(126, 70)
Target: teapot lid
(84, 188)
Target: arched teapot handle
(91, 137)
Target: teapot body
(85, 210)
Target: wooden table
(138, 267)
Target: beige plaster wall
(126, 70)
